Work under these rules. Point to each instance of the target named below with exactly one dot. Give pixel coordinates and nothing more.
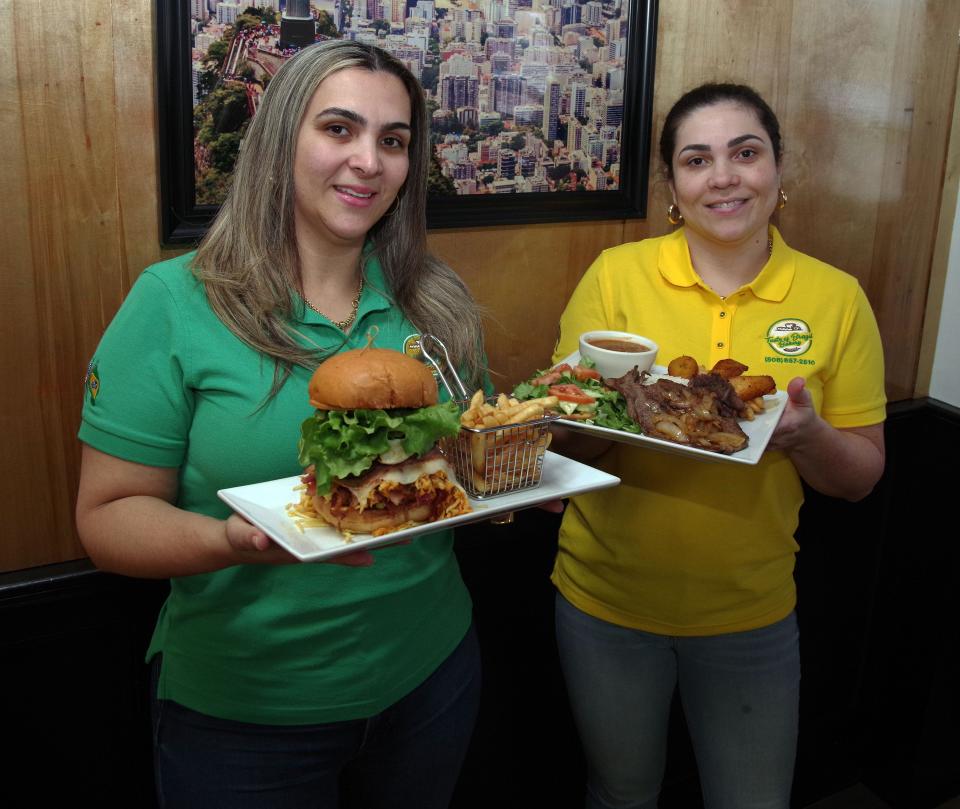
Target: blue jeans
(409, 756)
(740, 695)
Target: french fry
(526, 412)
(508, 453)
(546, 402)
(478, 453)
(504, 411)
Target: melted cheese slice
(402, 475)
(396, 453)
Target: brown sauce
(618, 345)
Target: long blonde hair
(248, 260)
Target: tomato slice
(546, 379)
(553, 375)
(583, 374)
(570, 393)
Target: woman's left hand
(843, 463)
(798, 419)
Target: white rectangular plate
(264, 505)
(758, 431)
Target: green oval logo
(790, 337)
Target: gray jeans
(740, 694)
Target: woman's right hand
(129, 524)
(255, 547)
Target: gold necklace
(344, 324)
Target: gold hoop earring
(674, 217)
(783, 200)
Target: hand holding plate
(798, 419)
(253, 546)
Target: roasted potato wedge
(729, 369)
(684, 367)
(750, 387)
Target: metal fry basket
(489, 461)
(492, 461)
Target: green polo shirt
(171, 386)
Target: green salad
(581, 394)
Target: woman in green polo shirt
(279, 683)
(681, 578)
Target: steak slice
(702, 415)
(729, 403)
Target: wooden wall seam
(943, 240)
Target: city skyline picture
(539, 109)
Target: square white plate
(264, 505)
(758, 431)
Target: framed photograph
(540, 109)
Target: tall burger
(370, 453)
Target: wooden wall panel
(137, 168)
(909, 203)
(865, 92)
(523, 277)
(64, 94)
(941, 255)
(20, 420)
(78, 101)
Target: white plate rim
(263, 504)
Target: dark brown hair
(706, 95)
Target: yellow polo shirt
(686, 546)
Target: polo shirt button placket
(722, 325)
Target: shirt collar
(776, 277)
(772, 284)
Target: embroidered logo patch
(411, 346)
(92, 382)
(790, 337)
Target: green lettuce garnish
(525, 390)
(611, 406)
(612, 413)
(340, 443)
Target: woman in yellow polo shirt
(682, 577)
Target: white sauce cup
(615, 362)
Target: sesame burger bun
(372, 379)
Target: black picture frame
(184, 221)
